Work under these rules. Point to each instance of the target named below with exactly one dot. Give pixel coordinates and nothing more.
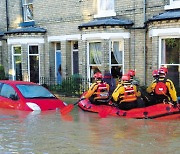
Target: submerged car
(27, 96)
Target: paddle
(105, 110)
(68, 108)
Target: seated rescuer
(149, 98)
(132, 74)
(162, 89)
(125, 96)
(98, 92)
(108, 78)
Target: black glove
(175, 103)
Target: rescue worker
(98, 92)
(149, 98)
(108, 78)
(125, 96)
(162, 89)
(155, 74)
(132, 74)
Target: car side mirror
(13, 97)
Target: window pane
(174, 75)
(95, 53)
(33, 49)
(7, 91)
(171, 53)
(34, 68)
(17, 50)
(75, 45)
(106, 5)
(18, 67)
(58, 46)
(116, 54)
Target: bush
(2, 73)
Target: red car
(27, 96)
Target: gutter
(7, 16)
(145, 28)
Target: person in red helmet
(162, 89)
(98, 92)
(132, 74)
(155, 74)
(125, 96)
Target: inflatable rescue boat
(158, 111)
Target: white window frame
(160, 52)
(56, 58)
(88, 54)
(29, 60)
(25, 8)
(13, 72)
(173, 4)
(104, 13)
(110, 50)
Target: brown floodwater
(84, 133)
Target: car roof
(12, 82)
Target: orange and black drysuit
(169, 95)
(126, 96)
(98, 93)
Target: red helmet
(163, 70)
(155, 73)
(98, 75)
(126, 78)
(131, 73)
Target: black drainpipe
(7, 16)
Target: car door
(8, 97)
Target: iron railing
(69, 86)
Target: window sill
(173, 5)
(105, 14)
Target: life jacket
(101, 92)
(161, 88)
(129, 94)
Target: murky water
(83, 132)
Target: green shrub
(2, 73)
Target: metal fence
(69, 86)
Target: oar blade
(67, 109)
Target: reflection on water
(84, 132)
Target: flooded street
(82, 132)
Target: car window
(34, 91)
(7, 91)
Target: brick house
(56, 39)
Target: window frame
(89, 74)
(110, 57)
(38, 54)
(173, 4)
(72, 60)
(161, 48)
(105, 13)
(25, 5)
(13, 61)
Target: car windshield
(34, 91)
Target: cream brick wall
(62, 17)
